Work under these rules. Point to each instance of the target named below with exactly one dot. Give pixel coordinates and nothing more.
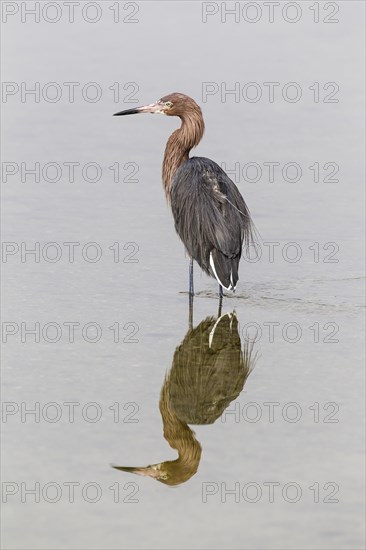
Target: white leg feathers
(231, 286)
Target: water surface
(310, 366)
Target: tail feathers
(224, 269)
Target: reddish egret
(210, 215)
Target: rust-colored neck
(180, 143)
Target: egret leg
(190, 315)
(220, 306)
(221, 292)
(191, 291)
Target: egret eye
(168, 104)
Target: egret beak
(156, 107)
(150, 471)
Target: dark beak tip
(128, 112)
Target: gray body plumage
(211, 218)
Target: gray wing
(211, 218)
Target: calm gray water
(283, 466)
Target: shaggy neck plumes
(180, 143)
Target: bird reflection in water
(209, 371)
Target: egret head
(174, 104)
